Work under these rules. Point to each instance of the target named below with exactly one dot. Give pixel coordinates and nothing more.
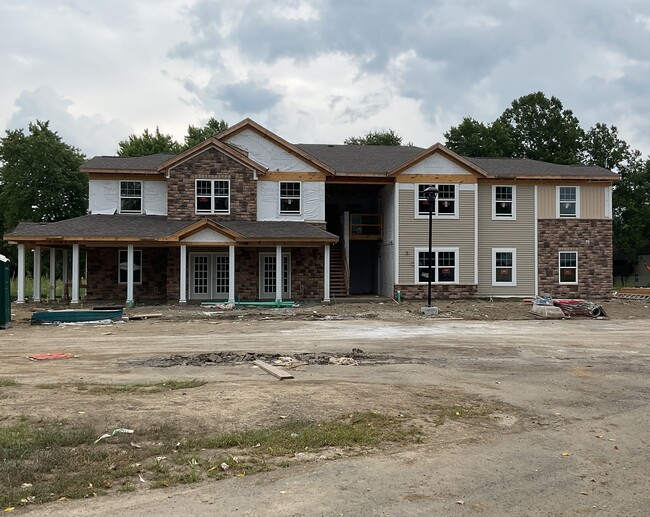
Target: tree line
(40, 179)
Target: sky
(317, 71)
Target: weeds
(6, 382)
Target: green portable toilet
(5, 296)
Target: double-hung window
(568, 264)
(568, 202)
(212, 196)
(504, 266)
(444, 265)
(123, 266)
(289, 197)
(503, 202)
(445, 202)
(130, 197)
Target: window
(503, 202)
(504, 266)
(289, 197)
(444, 265)
(568, 267)
(130, 197)
(445, 203)
(568, 202)
(212, 196)
(123, 266)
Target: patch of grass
(42, 461)
(111, 389)
(6, 382)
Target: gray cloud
(247, 97)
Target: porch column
(279, 282)
(326, 294)
(37, 274)
(21, 274)
(52, 296)
(183, 294)
(231, 273)
(75, 274)
(129, 275)
(64, 274)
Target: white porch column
(75, 274)
(183, 294)
(52, 296)
(64, 273)
(37, 274)
(279, 281)
(231, 273)
(129, 275)
(21, 274)
(326, 294)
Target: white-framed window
(446, 202)
(504, 202)
(504, 266)
(444, 265)
(212, 196)
(290, 197)
(130, 197)
(568, 202)
(568, 266)
(123, 266)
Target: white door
(267, 276)
(208, 276)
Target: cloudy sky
(317, 71)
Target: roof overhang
(439, 149)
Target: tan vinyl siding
(452, 233)
(546, 202)
(592, 202)
(518, 234)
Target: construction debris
(52, 356)
(544, 308)
(549, 308)
(276, 372)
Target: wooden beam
(276, 372)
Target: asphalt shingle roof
(372, 160)
(127, 163)
(523, 168)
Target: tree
(541, 129)
(388, 137)
(40, 178)
(147, 144)
(473, 138)
(196, 135)
(603, 147)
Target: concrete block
(429, 311)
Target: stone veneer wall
(211, 164)
(439, 292)
(592, 239)
(102, 278)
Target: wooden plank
(145, 316)
(276, 372)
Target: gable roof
(523, 168)
(121, 164)
(437, 148)
(248, 123)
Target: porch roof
(156, 228)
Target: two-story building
(250, 216)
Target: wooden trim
(360, 179)
(438, 148)
(294, 176)
(199, 226)
(437, 178)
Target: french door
(268, 276)
(209, 276)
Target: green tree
(603, 147)
(196, 135)
(148, 143)
(473, 138)
(40, 178)
(541, 129)
(388, 137)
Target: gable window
(212, 196)
(130, 197)
(568, 202)
(123, 266)
(568, 267)
(445, 202)
(289, 197)
(444, 265)
(503, 202)
(504, 264)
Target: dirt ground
(543, 388)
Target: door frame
(213, 292)
(286, 256)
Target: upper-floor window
(503, 202)
(212, 196)
(130, 197)
(289, 197)
(123, 266)
(445, 202)
(568, 202)
(568, 263)
(444, 265)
